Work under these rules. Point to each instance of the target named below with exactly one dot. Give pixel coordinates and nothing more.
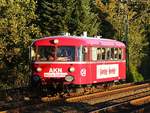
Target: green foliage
(51, 16)
(56, 17)
(82, 19)
(17, 27)
(134, 74)
(137, 45)
(111, 25)
(143, 21)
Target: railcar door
(83, 66)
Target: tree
(52, 16)
(122, 16)
(17, 29)
(70, 16)
(143, 9)
(83, 19)
(108, 17)
(137, 46)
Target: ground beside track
(83, 104)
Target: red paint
(88, 75)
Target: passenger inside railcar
(51, 56)
(112, 54)
(116, 54)
(99, 54)
(103, 53)
(66, 53)
(108, 53)
(62, 54)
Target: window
(99, 54)
(103, 53)
(115, 53)
(112, 54)
(66, 53)
(94, 53)
(46, 53)
(82, 53)
(52, 53)
(120, 53)
(108, 55)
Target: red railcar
(77, 60)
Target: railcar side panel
(108, 71)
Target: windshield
(52, 53)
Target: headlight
(56, 41)
(71, 69)
(39, 69)
(69, 78)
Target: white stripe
(38, 62)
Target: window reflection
(51, 53)
(66, 53)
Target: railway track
(130, 105)
(121, 92)
(118, 95)
(129, 99)
(21, 92)
(18, 94)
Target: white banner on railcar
(107, 71)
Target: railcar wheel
(117, 82)
(123, 81)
